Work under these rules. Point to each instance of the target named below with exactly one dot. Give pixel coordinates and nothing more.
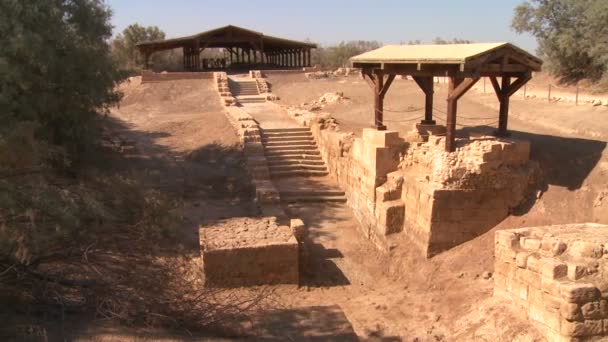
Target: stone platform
(248, 251)
(557, 276)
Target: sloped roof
(270, 42)
(438, 54)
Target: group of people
(214, 63)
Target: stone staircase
(296, 165)
(246, 90)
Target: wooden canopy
(463, 64)
(241, 43)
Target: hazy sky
(331, 21)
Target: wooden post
(308, 55)
(426, 84)
(504, 92)
(503, 114)
(549, 93)
(456, 88)
(147, 60)
(576, 98)
(525, 90)
(484, 85)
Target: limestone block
(530, 244)
(248, 251)
(390, 216)
(553, 268)
(579, 292)
(571, 312)
(585, 249)
(576, 272)
(595, 310)
(372, 136)
(581, 329)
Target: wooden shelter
(463, 64)
(244, 47)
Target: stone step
(289, 143)
(249, 100)
(272, 149)
(298, 173)
(277, 168)
(285, 162)
(286, 130)
(312, 192)
(313, 199)
(294, 156)
(287, 138)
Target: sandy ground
(385, 297)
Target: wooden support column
(456, 88)
(147, 59)
(375, 79)
(426, 84)
(504, 92)
(308, 55)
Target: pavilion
(245, 47)
(463, 64)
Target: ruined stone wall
(454, 197)
(438, 199)
(148, 76)
(556, 276)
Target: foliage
(339, 55)
(56, 68)
(128, 57)
(571, 35)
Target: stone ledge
(248, 251)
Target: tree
(571, 35)
(128, 57)
(56, 69)
(339, 55)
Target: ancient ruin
(249, 251)
(556, 276)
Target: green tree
(128, 57)
(571, 35)
(339, 55)
(56, 70)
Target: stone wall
(438, 199)
(221, 81)
(556, 275)
(148, 76)
(454, 197)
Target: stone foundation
(453, 197)
(556, 276)
(438, 199)
(248, 251)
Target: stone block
(374, 137)
(579, 292)
(582, 329)
(530, 244)
(595, 310)
(576, 272)
(390, 216)
(571, 312)
(506, 238)
(553, 268)
(248, 251)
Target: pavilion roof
(460, 54)
(226, 36)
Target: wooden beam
(503, 113)
(462, 88)
(387, 84)
(367, 76)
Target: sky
(331, 21)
